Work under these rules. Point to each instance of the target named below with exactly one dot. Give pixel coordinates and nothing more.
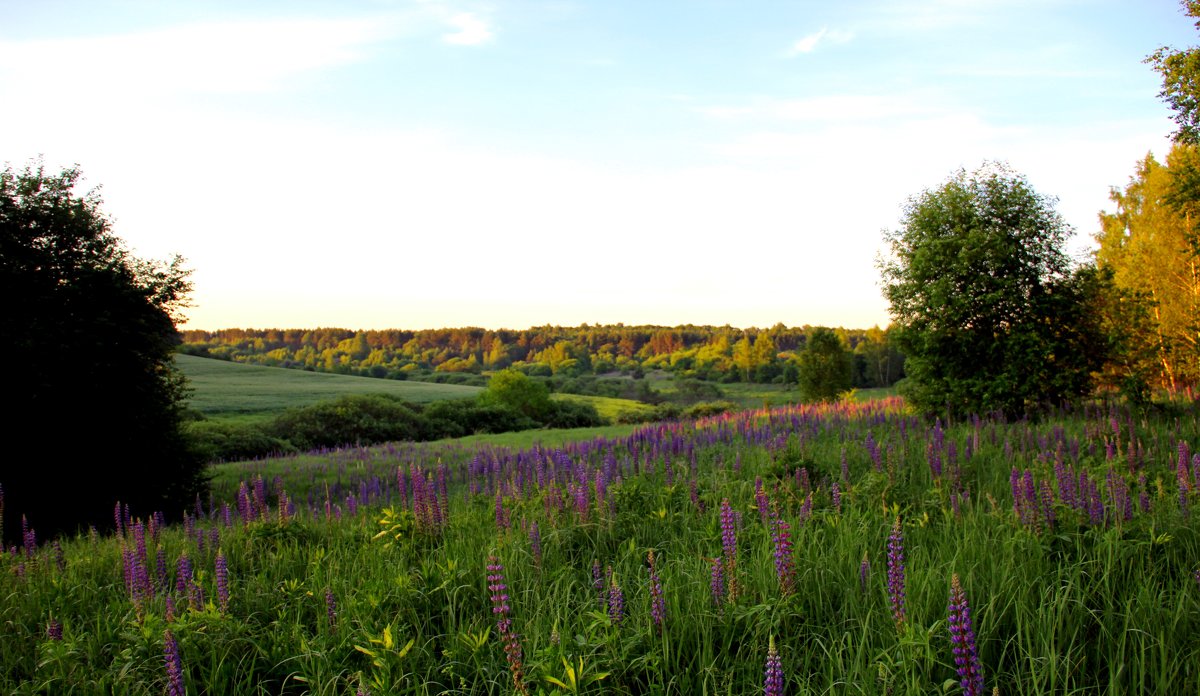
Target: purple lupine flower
(183, 574)
(616, 599)
(658, 604)
(330, 607)
(170, 608)
(729, 547)
(54, 630)
(864, 572)
(835, 491)
(895, 573)
(962, 636)
(174, 665)
(535, 544)
(597, 578)
(785, 570)
(716, 581)
(28, 537)
(504, 628)
(222, 582)
(196, 596)
(761, 500)
(773, 677)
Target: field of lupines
(846, 549)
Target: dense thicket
(89, 340)
(719, 354)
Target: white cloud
(470, 30)
(808, 44)
(219, 57)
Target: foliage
(825, 367)
(351, 419)
(1180, 71)
(517, 391)
(1150, 248)
(89, 337)
(569, 358)
(988, 309)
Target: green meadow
(821, 542)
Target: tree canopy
(989, 313)
(90, 338)
(1150, 246)
(1180, 71)
(826, 367)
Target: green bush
(573, 414)
(351, 419)
(217, 442)
(709, 408)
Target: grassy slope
(224, 390)
(228, 390)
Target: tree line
(719, 354)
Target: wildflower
(773, 678)
(330, 607)
(616, 599)
(864, 572)
(785, 569)
(729, 546)
(962, 635)
(222, 582)
(535, 544)
(54, 630)
(716, 581)
(174, 665)
(500, 607)
(658, 605)
(183, 574)
(895, 572)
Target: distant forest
(717, 354)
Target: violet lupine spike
(773, 675)
(501, 609)
(616, 600)
(895, 573)
(330, 608)
(54, 630)
(864, 572)
(174, 663)
(658, 604)
(222, 572)
(729, 547)
(962, 636)
(183, 575)
(716, 581)
(761, 500)
(835, 492)
(785, 570)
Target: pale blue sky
(441, 163)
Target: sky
(506, 164)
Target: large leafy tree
(95, 403)
(1150, 246)
(988, 311)
(1180, 71)
(825, 366)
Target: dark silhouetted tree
(95, 402)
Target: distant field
(228, 390)
(607, 407)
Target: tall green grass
(1071, 608)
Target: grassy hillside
(228, 390)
